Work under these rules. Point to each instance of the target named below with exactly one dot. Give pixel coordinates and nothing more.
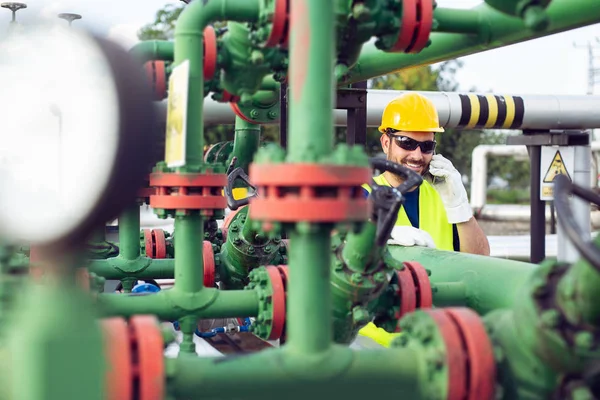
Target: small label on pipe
(177, 111)
(555, 161)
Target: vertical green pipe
(245, 142)
(189, 266)
(312, 45)
(312, 51)
(129, 233)
(309, 292)
(189, 46)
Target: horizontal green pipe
(166, 304)
(450, 294)
(491, 283)
(452, 20)
(151, 50)
(116, 268)
(496, 30)
(337, 373)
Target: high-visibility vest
(432, 214)
(379, 335)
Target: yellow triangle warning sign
(557, 167)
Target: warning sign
(555, 161)
(177, 116)
(557, 167)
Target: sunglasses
(410, 144)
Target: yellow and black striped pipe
(491, 112)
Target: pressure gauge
(74, 113)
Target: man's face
(413, 159)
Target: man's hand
(451, 189)
(410, 236)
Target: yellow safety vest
(432, 214)
(433, 220)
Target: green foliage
(163, 26)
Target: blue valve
(145, 288)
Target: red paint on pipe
(299, 24)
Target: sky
(551, 65)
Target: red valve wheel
(210, 52)
(422, 283)
(147, 343)
(119, 373)
(283, 270)
(406, 294)
(148, 243)
(425, 24)
(228, 97)
(160, 243)
(407, 27)
(280, 25)
(278, 302)
(208, 256)
(480, 353)
(456, 358)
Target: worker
(437, 213)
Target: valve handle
(14, 7)
(388, 200)
(69, 17)
(237, 173)
(563, 188)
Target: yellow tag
(177, 115)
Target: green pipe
(312, 55)
(578, 293)
(189, 46)
(151, 50)
(452, 20)
(339, 372)
(189, 263)
(165, 305)
(309, 294)
(491, 283)
(142, 268)
(269, 83)
(360, 252)
(129, 233)
(496, 30)
(245, 143)
(449, 294)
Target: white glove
(451, 189)
(410, 236)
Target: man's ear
(385, 143)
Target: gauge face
(59, 132)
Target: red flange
(456, 358)
(415, 28)
(175, 191)
(160, 243)
(280, 24)
(422, 284)
(148, 359)
(283, 270)
(210, 52)
(208, 256)
(157, 75)
(480, 353)
(236, 109)
(119, 373)
(148, 243)
(407, 294)
(309, 193)
(227, 221)
(469, 353)
(278, 302)
(227, 97)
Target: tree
(163, 26)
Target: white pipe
(479, 168)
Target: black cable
(563, 187)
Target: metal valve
(69, 17)
(14, 7)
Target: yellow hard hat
(411, 112)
